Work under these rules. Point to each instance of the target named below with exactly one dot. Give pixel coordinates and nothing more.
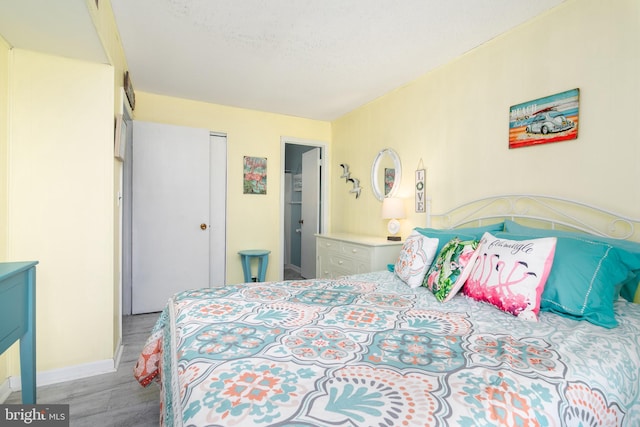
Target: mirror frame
(374, 173)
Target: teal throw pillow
(628, 251)
(584, 279)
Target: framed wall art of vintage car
(550, 119)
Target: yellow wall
(253, 221)
(456, 120)
(4, 134)
(60, 198)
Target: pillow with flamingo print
(511, 274)
(451, 268)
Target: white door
(310, 212)
(218, 210)
(170, 213)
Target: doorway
(298, 241)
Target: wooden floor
(110, 400)
(291, 274)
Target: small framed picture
(255, 175)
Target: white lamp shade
(392, 208)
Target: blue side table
(18, 319)
(263, 261)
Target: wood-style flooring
(291, 274)
(110, 400)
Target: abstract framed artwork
(128, 90)
(553, 118)
(254, 175)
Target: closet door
(170, 213)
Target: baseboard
(118, 356)
(5, 391)
(70, 373)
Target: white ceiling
(309, 58)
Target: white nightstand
(341, 254)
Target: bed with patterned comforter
(368, 350)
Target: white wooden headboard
(538, 211)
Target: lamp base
(394, 238)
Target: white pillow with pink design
(415, 258)
(511, 274)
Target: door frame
(324, 188)
(126, 227)
(124, 221)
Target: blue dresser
(18, 319)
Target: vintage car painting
(550, 119)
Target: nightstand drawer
(356, 251)
(341, 262)
(329, 246)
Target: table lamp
(393, 210)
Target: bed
(430, 341)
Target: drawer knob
(354, 251)
(340, 262)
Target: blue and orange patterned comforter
(368, 350)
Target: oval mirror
(386, 174)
